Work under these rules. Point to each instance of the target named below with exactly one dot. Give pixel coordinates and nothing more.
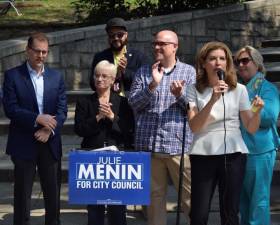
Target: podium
(109, 177)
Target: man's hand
(43, 134)
(157, 74)
(176, 87)
(122, 65)
(47, 121)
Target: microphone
(221, 75)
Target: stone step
(71, 142)
(74, 95)
(68, 127)
(273, 71)
(271, 54)
(6, 171)
(271, 43)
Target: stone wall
(72, 51)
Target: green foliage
(99, 11)
(40, 12)
(173, 6)
(143, 8)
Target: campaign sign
(109, 177)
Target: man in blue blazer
(35, 102)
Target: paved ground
(76, 215)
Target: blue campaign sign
(109, 177)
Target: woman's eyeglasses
(244, 61)
(101, 76)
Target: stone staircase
(69, 139)
(270, 50)
(271, 53)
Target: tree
(99, 11)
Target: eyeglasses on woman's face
(101, 76)
(244, 61)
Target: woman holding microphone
(218, 152)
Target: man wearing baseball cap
(126, 59)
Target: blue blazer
(266, 138)
(20, 106)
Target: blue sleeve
(140, 94)
(61, 112)
(191, 75)
(12, 107)
(270, 111)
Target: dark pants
(206, 173)
(49, 173)
(116, 214)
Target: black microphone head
(221, 74)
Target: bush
(99, 11)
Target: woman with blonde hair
(262, 146)
(218, 153)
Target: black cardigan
(95, 134)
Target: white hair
(105, 64)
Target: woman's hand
(251, 118)
(257, 104)
(106, 111)
(220, 88)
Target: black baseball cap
(116, 22)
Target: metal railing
(6, 5)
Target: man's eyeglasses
(162, 43)
(119, 35)
(38, 51)
(244, 61)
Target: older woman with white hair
(104, 118)
(255, 195)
